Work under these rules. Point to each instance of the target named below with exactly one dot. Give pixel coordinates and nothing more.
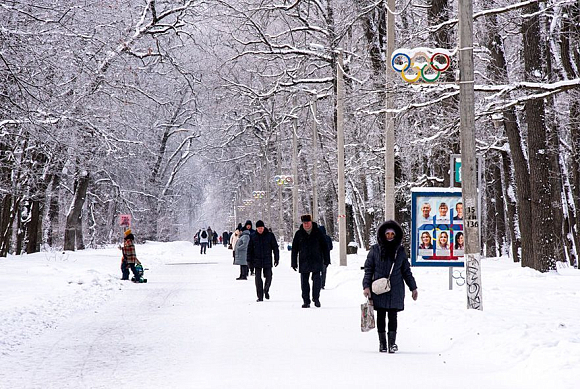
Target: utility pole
(389, 117)
(295, 175)
(340, 142)
(268, 200)
(281, 228)
(313, 108)
(468, 171)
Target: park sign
(125, 220)
(437, 236)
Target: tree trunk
(497, 69)
(500, 229)
(34, 230)
(489, 231)
(20, 227)
(543, 238)
(575, 163)
(53, 211)
(74, 216)
(514, 236)
(10, 205)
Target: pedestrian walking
(387, 259)
(209, 232)
(309, 255)
(241, 253)
(325, 267)
(203, 241)
(262, 245)
(248, 226)
(129, 259)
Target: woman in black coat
(386, 254)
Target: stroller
(140, 270)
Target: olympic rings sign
(259, 194)
(420, 63)
(283, 180)
(247, 202)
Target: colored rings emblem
(420, 63)
(259, 194)
(283, 180)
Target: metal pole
(469, 183)
(340, 142)
(450, 278)
(389, 118)
(314, 162)
(295, 175)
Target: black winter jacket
(309, 251)
(327, 239)
(260, 249)
(378, 266)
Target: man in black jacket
(309, 255)
(262, 244)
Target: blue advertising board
(437, 227)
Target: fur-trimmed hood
(382, 239)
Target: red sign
(125, 220)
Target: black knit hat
(259, 223)
(306, 218)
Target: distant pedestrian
(241, 253)
(209, 236)
(387, 259)
(262, 244)
(325, 267)
(309, 255)
(248, 226)
(129, 259)
(203, 241)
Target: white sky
(67, 321)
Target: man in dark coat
(329, 244)
(309, 255)
(209, 236)
(387, 259)
(262, 244)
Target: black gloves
(294, 267)
(276, 263)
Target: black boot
(392, 339)
(382, 342)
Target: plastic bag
(367, 317)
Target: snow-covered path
(194, 326)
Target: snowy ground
(67, 321)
